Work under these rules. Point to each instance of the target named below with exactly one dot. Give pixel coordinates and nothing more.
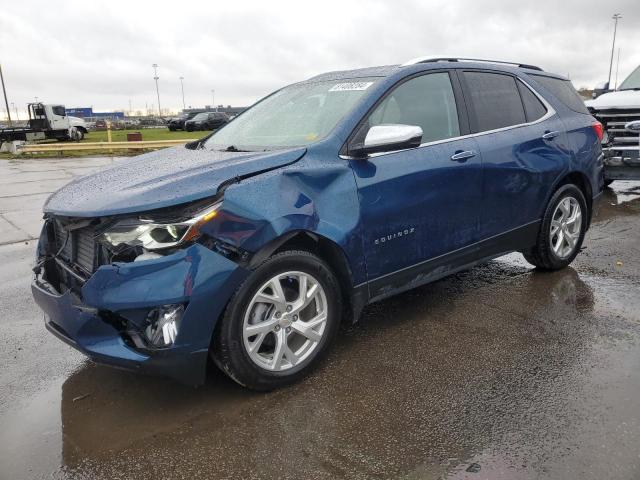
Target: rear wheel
(562, 231)
(280, 321)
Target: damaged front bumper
(104, 318)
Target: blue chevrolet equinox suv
(250, 246)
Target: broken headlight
(156, 236)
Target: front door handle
(550, 135)
(462, 156)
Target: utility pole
(155, 77)
(4, 91)
(182, 86)
(617, 68)
(616, 17)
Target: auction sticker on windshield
(349, 86)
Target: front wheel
(564, 225)
(280, 322)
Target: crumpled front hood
(160, 179)
(623, 99)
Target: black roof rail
(460, 59)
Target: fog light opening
(164, 325)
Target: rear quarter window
(564, 91)
(533, 107)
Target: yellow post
(109, 135)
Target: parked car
(177, 123)
(206, 121)
(152, 122)
(619, 112)
(251, 245)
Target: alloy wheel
(566, 224)
(285, 321)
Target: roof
(432, 62)
(382, 71)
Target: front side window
(58, 110)
(294, 116)
(495, 99)
(426, 101)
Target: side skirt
(518, 239)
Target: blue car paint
(581, 139)
(160, 179)
(350, 203)
(194, 276)
(397, 189)
(307, 201)
(516, 163)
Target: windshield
(632, 81)
(200, 116)
(294, 116)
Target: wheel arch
(580, 180)
(331, 253)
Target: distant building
(208, 108)
(88, 114)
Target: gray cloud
(100, 53)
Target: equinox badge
(393, 236)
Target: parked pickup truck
(46, 122)
(619, 113)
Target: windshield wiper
(630, 88)
(233, 148)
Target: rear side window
(426, 101)
(533, 107)
(495, 99)
(563, 89)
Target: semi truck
(619, 112)
(45, 122)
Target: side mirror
(600, 88)
(387, 138)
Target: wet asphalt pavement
(496, 373)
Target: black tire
(542, 254)
(228, 350)
(172, 129)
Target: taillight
(599, 129)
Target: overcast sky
(93, 53)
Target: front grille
(614, 121)
(76, 246)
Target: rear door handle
(550, 135)
(462, 156)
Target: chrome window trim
(550, 113)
